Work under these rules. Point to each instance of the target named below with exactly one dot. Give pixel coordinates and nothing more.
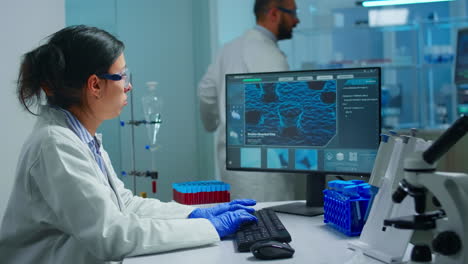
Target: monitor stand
(314, 198)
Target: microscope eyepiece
(451, 136)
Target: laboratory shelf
(417, 61)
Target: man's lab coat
(252, 52)
(63, 209)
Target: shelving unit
(416, 59)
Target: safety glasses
(292, 12)
(125, 75)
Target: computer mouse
(271, 250)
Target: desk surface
(314, 242)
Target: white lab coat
(254, 51)
(63, 209)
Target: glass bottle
(152, 107)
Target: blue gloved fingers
(226, 207)
(219, 209)
(245, 217)
(222, 208)
(248, 202)
(210, 211)
(240, 217)
(236, 207)
(228, 222)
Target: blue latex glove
(228, 222)
(222, 208)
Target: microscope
(446, 228)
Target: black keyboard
(269, 227)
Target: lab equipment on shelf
(268, 227)
(439, 54)
(201, 192)
(417, 59)
(346, 204)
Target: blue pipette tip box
(345, 206)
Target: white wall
(234, 18)
(24, 23)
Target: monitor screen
(461, 64)
(315, 121)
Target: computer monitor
(315, 122)
(461, 71)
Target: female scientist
(68, 205)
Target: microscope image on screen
(299, 113)
(251, 158)
(306, 159)
(277, 158)
(236, 131)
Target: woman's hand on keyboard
(227, 223)
(234, 205)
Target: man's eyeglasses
(125, 75)
(292, 12)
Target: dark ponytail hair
(62, 66)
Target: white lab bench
(314, 242)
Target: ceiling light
(373, 3)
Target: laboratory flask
(152, 107)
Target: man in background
(255, 51)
